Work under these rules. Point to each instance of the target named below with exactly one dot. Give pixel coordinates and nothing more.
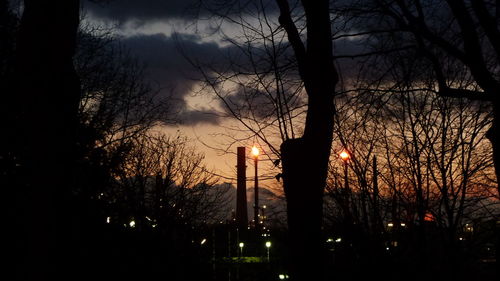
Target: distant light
(344, 155)
(268, 244)
(282, 276)
(429, 217)
(149, 219)
(338, 240)
(263, 207)
(329, 240)
(255, 151)
(387, 248)
(241, 244)
(108, 220)
(203, 241)
(132, 224)
(403, 224)
(390, 224)
(468, 228)
(460, 238)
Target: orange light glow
(429, 217)
(344, 155)
(255, 151)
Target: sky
(162, 34)
(165, 35)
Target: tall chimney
(241, 190)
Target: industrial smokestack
(241, 190)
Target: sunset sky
(155, 32)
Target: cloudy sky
(161, 34)
(155, 32)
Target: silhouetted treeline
(414, 106)
(92, 191)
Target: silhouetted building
(241, 190)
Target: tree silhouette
(304, 159)
(450, 37)
(44, 92)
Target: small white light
(390, 224)
(241, 244)
(268, 244)
(132, 224)
(282, 276)
(108, 219)
(338, 240)
(203, 241)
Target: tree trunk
(494, 137)
(305, 160)
(46, 92)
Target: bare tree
(44, 90)
(163, 184)
(450, 37)
(304, 157)
(432, 154)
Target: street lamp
(268, 245)
(241, 245)
(255, 153)
(345, 157)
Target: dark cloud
(168, 68)
(151, 10)
(193, 117)
(143, 10)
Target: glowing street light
(344, 155)
(241, 245)
(268, 246)
(255, 151)
(283, 276)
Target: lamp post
(255, 153)
(241, 245)
(268, 246)
(345, 157)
